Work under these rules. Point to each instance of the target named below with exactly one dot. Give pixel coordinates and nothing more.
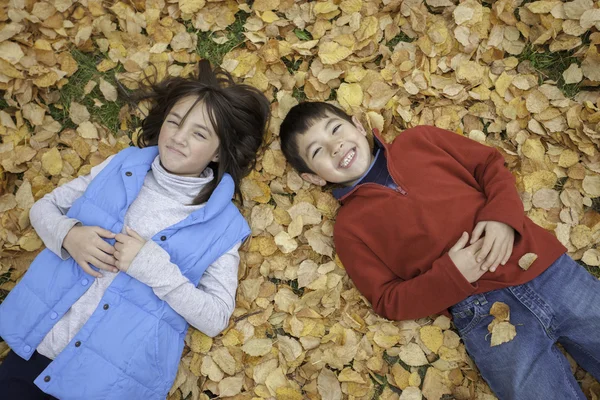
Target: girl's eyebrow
(197, 125)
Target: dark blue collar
(373, 174)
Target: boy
(432, 223)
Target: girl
(143, 245)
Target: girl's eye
(335, 129)
(200, 135)
(316, 152)
(173, 122)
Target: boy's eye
(335, 129)
(173, 122)
(316, 152)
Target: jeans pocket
(465, 320)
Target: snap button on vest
(47, 378)
(77, 343)
(163, 238)
(53, 315)
(105, 306)
(27, 349)
(84, 282)
(128, 173)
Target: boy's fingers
(493, 256)
(497, 261)
(477, 231)
(485, 250)
(462, 241)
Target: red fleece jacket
(394, 243)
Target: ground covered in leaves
(518, 75)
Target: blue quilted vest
(131, 346)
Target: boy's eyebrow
(195, 125)
(331, 120)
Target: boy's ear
(314, 179)
(359, 126)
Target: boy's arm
(486, 164)
(48, 214)
(207, 307)
(391, 297)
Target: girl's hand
(127, 247)
(497, 244)
(86, 246)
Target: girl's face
(187, 148)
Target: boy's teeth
(348, 158)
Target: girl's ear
(359, 126)
(314, 179)
(215, 158)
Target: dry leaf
(526, 261)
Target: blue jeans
(562, 305)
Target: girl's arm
(48, 214)
(207, 307)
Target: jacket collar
(380, 149)
(219, 199)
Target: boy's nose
(337, 147)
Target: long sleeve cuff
(61, 231)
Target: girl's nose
(179, 136)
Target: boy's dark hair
(299, 120)
(239, 113)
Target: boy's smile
(336, 150)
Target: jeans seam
(558, 356)
(566, 339)
(529, 292)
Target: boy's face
(336, 150)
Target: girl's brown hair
(239, 114)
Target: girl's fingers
(121, 238)
(85, 266)
(103, 232)
(134, 234)
(105, 258)
(105, 247)
(104, 266)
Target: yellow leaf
(432, 337)
(503, 332)
(332, 53)
(350, 95)
(200, 343)
(257, 347)
(52, 163)
(191, 6)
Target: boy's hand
(86, 246)
(127, 247)
(497, 244)
(465, 258)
